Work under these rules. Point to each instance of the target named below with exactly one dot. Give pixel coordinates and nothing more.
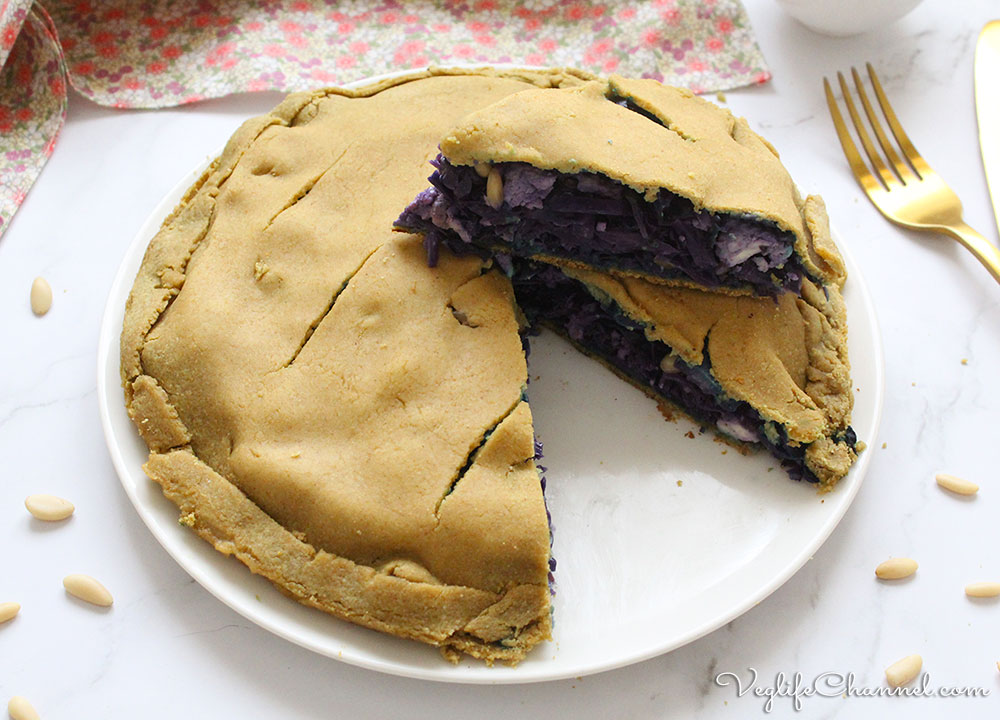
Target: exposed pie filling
(593, 220)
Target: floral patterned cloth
(161, 53)
(32, 99)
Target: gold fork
(910, 194)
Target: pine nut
(482, 169)
(494, 189)
(20, 709)
(41, 296)
(49, 507)
(956, 484)
(8, 610)
(896, 568)
(983, 589)
(87, 589)
(903, 671)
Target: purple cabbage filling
(589, 218)
(549, 297)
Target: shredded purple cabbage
(589, 218)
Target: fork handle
(985, 251)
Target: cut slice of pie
(627, 176)
(346, 421)
(637, 220)
(761, 371)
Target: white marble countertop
(168, 648)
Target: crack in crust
(329, 308)
(305, 189)
(470, 459)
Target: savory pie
(351, 421)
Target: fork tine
(868, 182)
(902, 169)
(919, 164)
(887, 177)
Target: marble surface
(168, 648)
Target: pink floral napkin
(32, 99)
(160, 53)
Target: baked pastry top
(627, 176)
(348, 422)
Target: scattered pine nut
(20, 709)
(482, 169)
(903, 671)
(49, 507)
(87, 589)
(8, 610)
(494, 189)
(983, 589)
(956, 484)
(896, 568)
(41, 296)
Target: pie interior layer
(632, 177)
(346, 421)
(761, 371)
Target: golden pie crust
(346, 421)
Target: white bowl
(846, 17)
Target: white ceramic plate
(660, 538)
